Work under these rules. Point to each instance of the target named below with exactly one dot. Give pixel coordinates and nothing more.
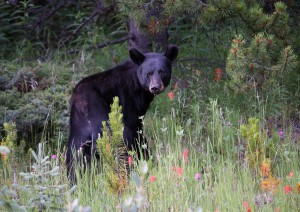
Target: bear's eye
(149, 75)
(161, 73)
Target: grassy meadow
(211, 149)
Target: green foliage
(254, 68)
(137, 202)
(113, 151)
(7, 200)
(254, 142)
(45, 192)
(249, 17)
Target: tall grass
(214, 175)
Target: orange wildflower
(298, 187)
(265, 168)
(270, 184)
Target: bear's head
(155, 69)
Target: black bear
(135, 82)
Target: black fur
(135, 82)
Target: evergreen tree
(259, 56)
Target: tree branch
(100, 9)
(45, 16)
(101, 45)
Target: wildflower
(54, 157)
(197, 72)
(218, 74)
(152, 178)
(180, 131)
(185, 155)
(129, 160)
(197, 176)
(247, 206)
(287, 189)
(179, 171)
(171, 95)
(270, 184)
(269, 199)
(265, 168)
(298, 187)
(291, 174)
(281, 134)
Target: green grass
(225, 184)
(204, 118)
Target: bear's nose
(154, 89)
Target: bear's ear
(172, 52)
(137, 57)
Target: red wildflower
(218, 74)
(171, 95)
(287, 189)
(179, 171)
(152, 178)
(247, 206)
(129, 160)
(185, 155)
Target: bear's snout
(156, 88)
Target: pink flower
(152, 178)
(281, 134)
(185, 155)
(197, 176)
(291, 174)
(171, 95)
(54, 157)
(129, 160)
(179, 171)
